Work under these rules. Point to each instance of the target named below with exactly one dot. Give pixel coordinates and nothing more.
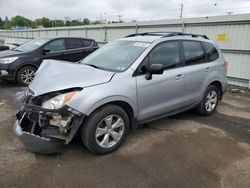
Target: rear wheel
(105, 129)
(209, 101)
(25, 75)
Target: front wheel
(105, 129)
(25, 75)
(209, 101)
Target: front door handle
(179, 77)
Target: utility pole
(182, 6)
(181, 14)
(119, 17)
(229, 12)
(101, 17)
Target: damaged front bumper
(45, 131)
(35, 143)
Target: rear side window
(193, 52)
(73, 43)
(167, 54)
(56, 45)
(86, 43)
(211, 51)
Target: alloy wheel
(211, 100)
(27, 75)
(109, 131)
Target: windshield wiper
(16, 50)
(93, 66)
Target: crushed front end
(44, 130)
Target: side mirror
(154, 69)
(45, 51)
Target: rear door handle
(179, 77)
(208, 69)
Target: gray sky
(129, 9)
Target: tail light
(226, 65)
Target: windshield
(32, 45)
(116, 56)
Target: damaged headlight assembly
(58, 101)
(44, 121)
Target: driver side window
(56, 45)
(167, 54)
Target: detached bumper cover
(34, 130)
(35, 143)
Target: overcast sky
(129, 9)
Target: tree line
(19, 22)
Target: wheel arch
(218, 84)
(125, 105)
(22, 66)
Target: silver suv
(127, 82)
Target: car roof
(60, 37)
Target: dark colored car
(2, 48)
(21, 63)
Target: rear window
(211, 51)
(193, 52)
(73, 43)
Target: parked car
(21, 63)
(3, 48)
(128, 82)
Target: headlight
(58, 101)
(8, 60)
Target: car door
(54, 49)
(75, 49)
(163, 93)
(196, 72)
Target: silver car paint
(148, 98)
(54, 75)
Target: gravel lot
(185, 150)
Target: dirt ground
(185, 150)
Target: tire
(27, 71)
(208, 104)
(101, 119)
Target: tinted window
(56, 45)
(166, 53)
(212, 53)
(74, 43)
(193, 52)
(86, 43)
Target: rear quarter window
(86, 43)
(211, 51)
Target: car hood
(54, 75)
(11, 53)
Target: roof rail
(167, 34)
(185, 34)
(147, 33)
